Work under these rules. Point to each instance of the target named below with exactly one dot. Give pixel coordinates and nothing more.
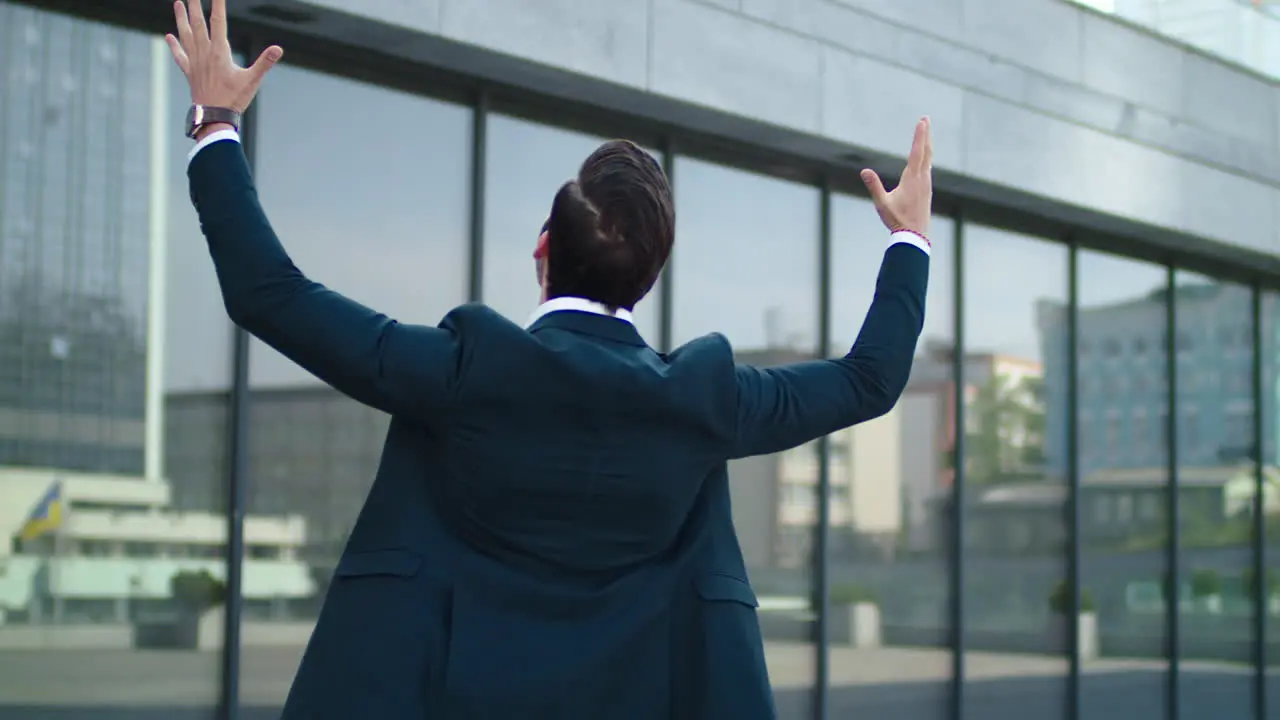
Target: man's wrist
(911, 237)
(915, 233)
(207, 130)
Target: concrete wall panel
(1038, 95)
(609, 40)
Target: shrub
(197, 591)
(852, 595)
(1205, 583)
(1060, 599)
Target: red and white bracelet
(913, 232)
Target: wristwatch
(200, 115)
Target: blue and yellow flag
(45, 517)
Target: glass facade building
(1073, 512)
(74, 300)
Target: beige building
(113, 543)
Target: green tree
(1005, 441)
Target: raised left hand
(909, 206)
(204, 55)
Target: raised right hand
(910, 205)
(203, 53)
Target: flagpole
(53, 575)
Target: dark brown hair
(612, 228)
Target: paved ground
(888, 684)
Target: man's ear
(540, 250)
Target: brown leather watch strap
(200, 115)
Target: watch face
(192, 125)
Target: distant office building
(314, 454)
(1123, 371)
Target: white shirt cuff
(909, 238)
(210, 139)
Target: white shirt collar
(578, 304)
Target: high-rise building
(75, 236)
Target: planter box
(1211, 604)
(1086, 633)
(856, 625)
(1087, 636)
(183, 630)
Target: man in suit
(549, 535)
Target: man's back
(578, 448)
(557, 549)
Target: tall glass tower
(76, 102)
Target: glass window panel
(1269, 341)
(114, 372)
(1216, 489)
(732, 276)
(1124, 480)
(1015, 544)
(526, 164)
(384, 221)
(758, 230)
(889, 501)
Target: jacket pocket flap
(396, 563)
(720, 587)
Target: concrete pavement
(889, 683)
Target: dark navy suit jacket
(549, 534)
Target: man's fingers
(179, 55)
(916, 160)
(265, 62)
(199, 30)
(218, 20)
(184, 25)
(874, 186)
(928, 145)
